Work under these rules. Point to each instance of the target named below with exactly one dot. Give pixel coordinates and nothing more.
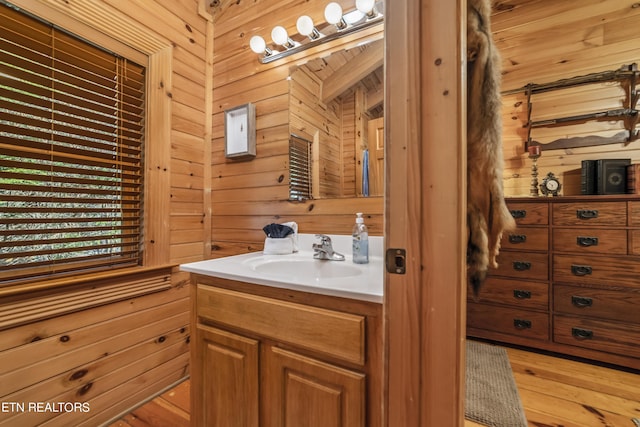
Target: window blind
(299, 168)
(71, 153)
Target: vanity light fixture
(367, 13)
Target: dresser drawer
(517, 293)
(529, 213)
(590, 240)
(335, 333)
(512, 321)
(634, 213)
(610, 337)
(590, 214)
(634, 242)
(607, 304)
(522, 265)
(597, 270)
(526, 239)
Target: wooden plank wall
(110, 357)
(246, 195)
(65, 343)
(354, 140)
(543, 41)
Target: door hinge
(396, 260)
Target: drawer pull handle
(517, 238)
(581, 270)
(587, 213)
(522, 324)
(520, 294)
(587, 241)
(518, 213)
(581, 334)
(521, 265)
(581, 302)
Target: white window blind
(299, 168)
(71, 152)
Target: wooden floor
(170, 409)
(555, 392)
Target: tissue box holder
(280, 246)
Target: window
(299, 169)
(71, 152)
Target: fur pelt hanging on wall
(487, 213)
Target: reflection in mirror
(336, 106)
(300, 167)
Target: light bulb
(304, 25)
(365, 6)
(279, 35)
(257, 44)
(333, 13)
(306, 28)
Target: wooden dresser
(568, 279)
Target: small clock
(550, 185)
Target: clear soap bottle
(360, 241)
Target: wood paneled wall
(114, 340)
(246, 195)
(93, 344)
(543, 41)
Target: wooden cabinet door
(301, 391)
(225, 379)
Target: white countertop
(334, 278)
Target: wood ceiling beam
(357, 68)
(374, 99)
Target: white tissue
(278, 246)
(294, 236)
(283, 246)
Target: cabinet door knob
(518, 213)
(581, 334)
(581, 270)
(587, 241)
(517, 238)
(521, 265)
(522, 324)
(587, 213)
(581, 302)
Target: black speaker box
(611, 176)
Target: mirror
(336, 113)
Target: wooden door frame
(425, 122)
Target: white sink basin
(313, 268)
(301, 272)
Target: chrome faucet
(324, 249)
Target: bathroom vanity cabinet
(265, 356)
(568, 279)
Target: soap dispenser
(360, 241)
